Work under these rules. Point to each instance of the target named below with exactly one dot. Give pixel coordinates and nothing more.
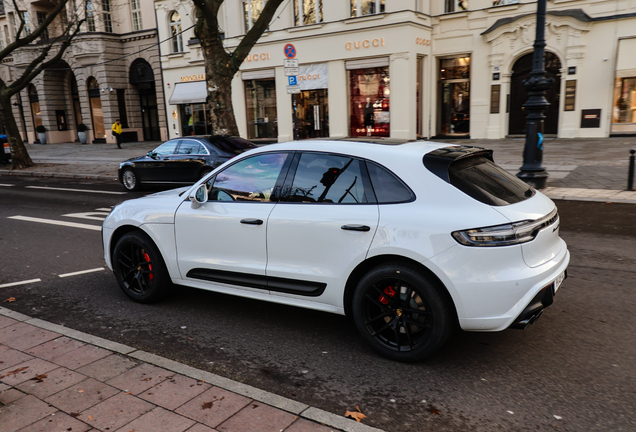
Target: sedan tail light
(506, 234)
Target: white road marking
(56, 222)
(106, 209)
(76, 190)
(100, 216)
(20, 283)
(2, 184)
(81, 272)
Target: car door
(189, 160)
(156, 165)
(322, 227)
(224, 240)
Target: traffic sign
(293, 80)
(291, 71)
(291, 63)
(290, 51)
(293, 89)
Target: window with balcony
(307, 12)
(252, 10)
(456, 5)
(366, 7)
(136, 15)
(106, 15)
(175, 31)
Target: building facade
(407, 69)
(111, 71)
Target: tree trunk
(19, 155)
(219, 99)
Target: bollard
(630, 175)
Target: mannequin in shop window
(460, 114)
(369, 120)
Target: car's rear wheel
(129, 180)
(400, 313)
(139, 268)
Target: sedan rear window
(488, 183)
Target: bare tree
(53, 36)
(221, 65)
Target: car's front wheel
(139, 268)
(129, 180)
(400, 313)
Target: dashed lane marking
(2, 184)
(56, 222)
(76, 190)
(100, 216)
(81, 272)
(20, 283)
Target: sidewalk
(56, 379)
(579, 169)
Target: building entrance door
(454, 97)
(518, 95)
(149, 111)
(312, 114)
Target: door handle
(252, 221)
(363, 228)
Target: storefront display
(369, 102)
(625, 101)
(454, 96)
(260, 101)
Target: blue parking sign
(293, 80)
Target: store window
(252, 10)
(454, 96)
(175, 31)
(624, 101)
(455, 5)
(107, 17)
(260, 102)
(136, 15)
(90, 16)
(366, 7)
(307, 12)
(369, 102)
(97, 112)
(195, 119)
(34, 101)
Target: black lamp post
(532, 172)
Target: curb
(56, 175)
(276, 401)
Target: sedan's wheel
(139, 268)
(130, 181)
(400, 313)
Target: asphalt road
(571, 371)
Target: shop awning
(188, 92)
(626, 64)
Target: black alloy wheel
(139, 268)
(400, 313)
(129, 180)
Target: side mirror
(199, 196)
(152, 154)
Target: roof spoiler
(439, 160)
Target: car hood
(157, 208)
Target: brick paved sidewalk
(56, 379)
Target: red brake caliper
(390, 292)
(151, 276)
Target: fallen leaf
(40, 378)
(356, 415)
(90, 417)
(10, 300)
(433, 410)
(73, 414)
(208, 405)
(80, 391)
(14, 372)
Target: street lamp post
(532, 172)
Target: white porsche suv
(407, 239)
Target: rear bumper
(533, 311)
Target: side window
(252, 179)
(387, 187)
(327, 179)
(191, 147)
(167, 148)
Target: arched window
(175, 30)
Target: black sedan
(181, 160)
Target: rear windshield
(481, 179)
(232, 145)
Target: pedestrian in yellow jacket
(117, 132)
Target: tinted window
(387, 187)
(327, 178)
(167, 148)
(252, 179)
(191, 147)
(486, 182)
(232, 145)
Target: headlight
(507, 234)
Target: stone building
(111, 71)
(407, 69)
